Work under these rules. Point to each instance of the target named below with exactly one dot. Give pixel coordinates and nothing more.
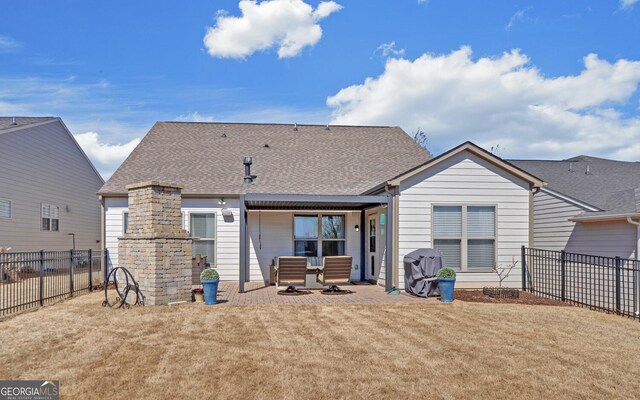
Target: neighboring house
(590, 205)
(368, 192)
(47, 187)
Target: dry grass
(449, 351)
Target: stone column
(155, 248)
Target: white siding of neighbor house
(466, 179)
(227, 233)
(551, 226)
(271, 235)
(554, 231)
(43, 164)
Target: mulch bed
(476, 296)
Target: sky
(546, 79)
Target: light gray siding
(466, 179)
(553, 230)
(43, 164)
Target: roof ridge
(276, 124)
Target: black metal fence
(608, 284)
(32, 279)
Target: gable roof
(473, 149)
(7, 123)
(300, 159)
(17, 124)
(608, 186)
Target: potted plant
(210, 279)
(446, 282)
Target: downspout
(103, 237)
(637, 224)
(395, 203)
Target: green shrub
(446, 272)
(209, 274)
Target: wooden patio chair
(291, 272)
(336, 270)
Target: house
(365, 191)
(590, 205)
(47, 187)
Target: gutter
(103, 238)
(607, 217)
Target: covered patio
(269, 226)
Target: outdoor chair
(291, 272)
(336, 270)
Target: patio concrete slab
(257, 293)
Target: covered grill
(420, 269)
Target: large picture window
(203, 227)
(465, 235)
(319, 235)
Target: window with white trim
(317, 235)
(125, 222)
(49, 217)
(466, 236)
(5, 208)
(203, 227)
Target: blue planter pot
(446, 289)
(210, 289)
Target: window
(312, 239)
(202, 226)
(125, 222)
(333, 240)
(5, 208)
(372, 235)
(465, 235)
(305, 235)
(49, 217)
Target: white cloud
(194, 117)
(106, 156)
(627, 4)
(389, 49)
(501, 100)
(9, 45)
(288, 25)
(519, 15)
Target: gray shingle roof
(12, 122)
(207, 158)
(609, 185)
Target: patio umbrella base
(333, 290)
(291, 291)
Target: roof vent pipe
(295, 126)
(14, 121)
(248, 178)
(588, 170)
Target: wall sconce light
(357, 228)
(222, 202)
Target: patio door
(375, 241)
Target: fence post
(105, 266)
(71, 273)
(41, 285)
(563, 275)
(618, 270)
(524, 268)
(90, 271)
